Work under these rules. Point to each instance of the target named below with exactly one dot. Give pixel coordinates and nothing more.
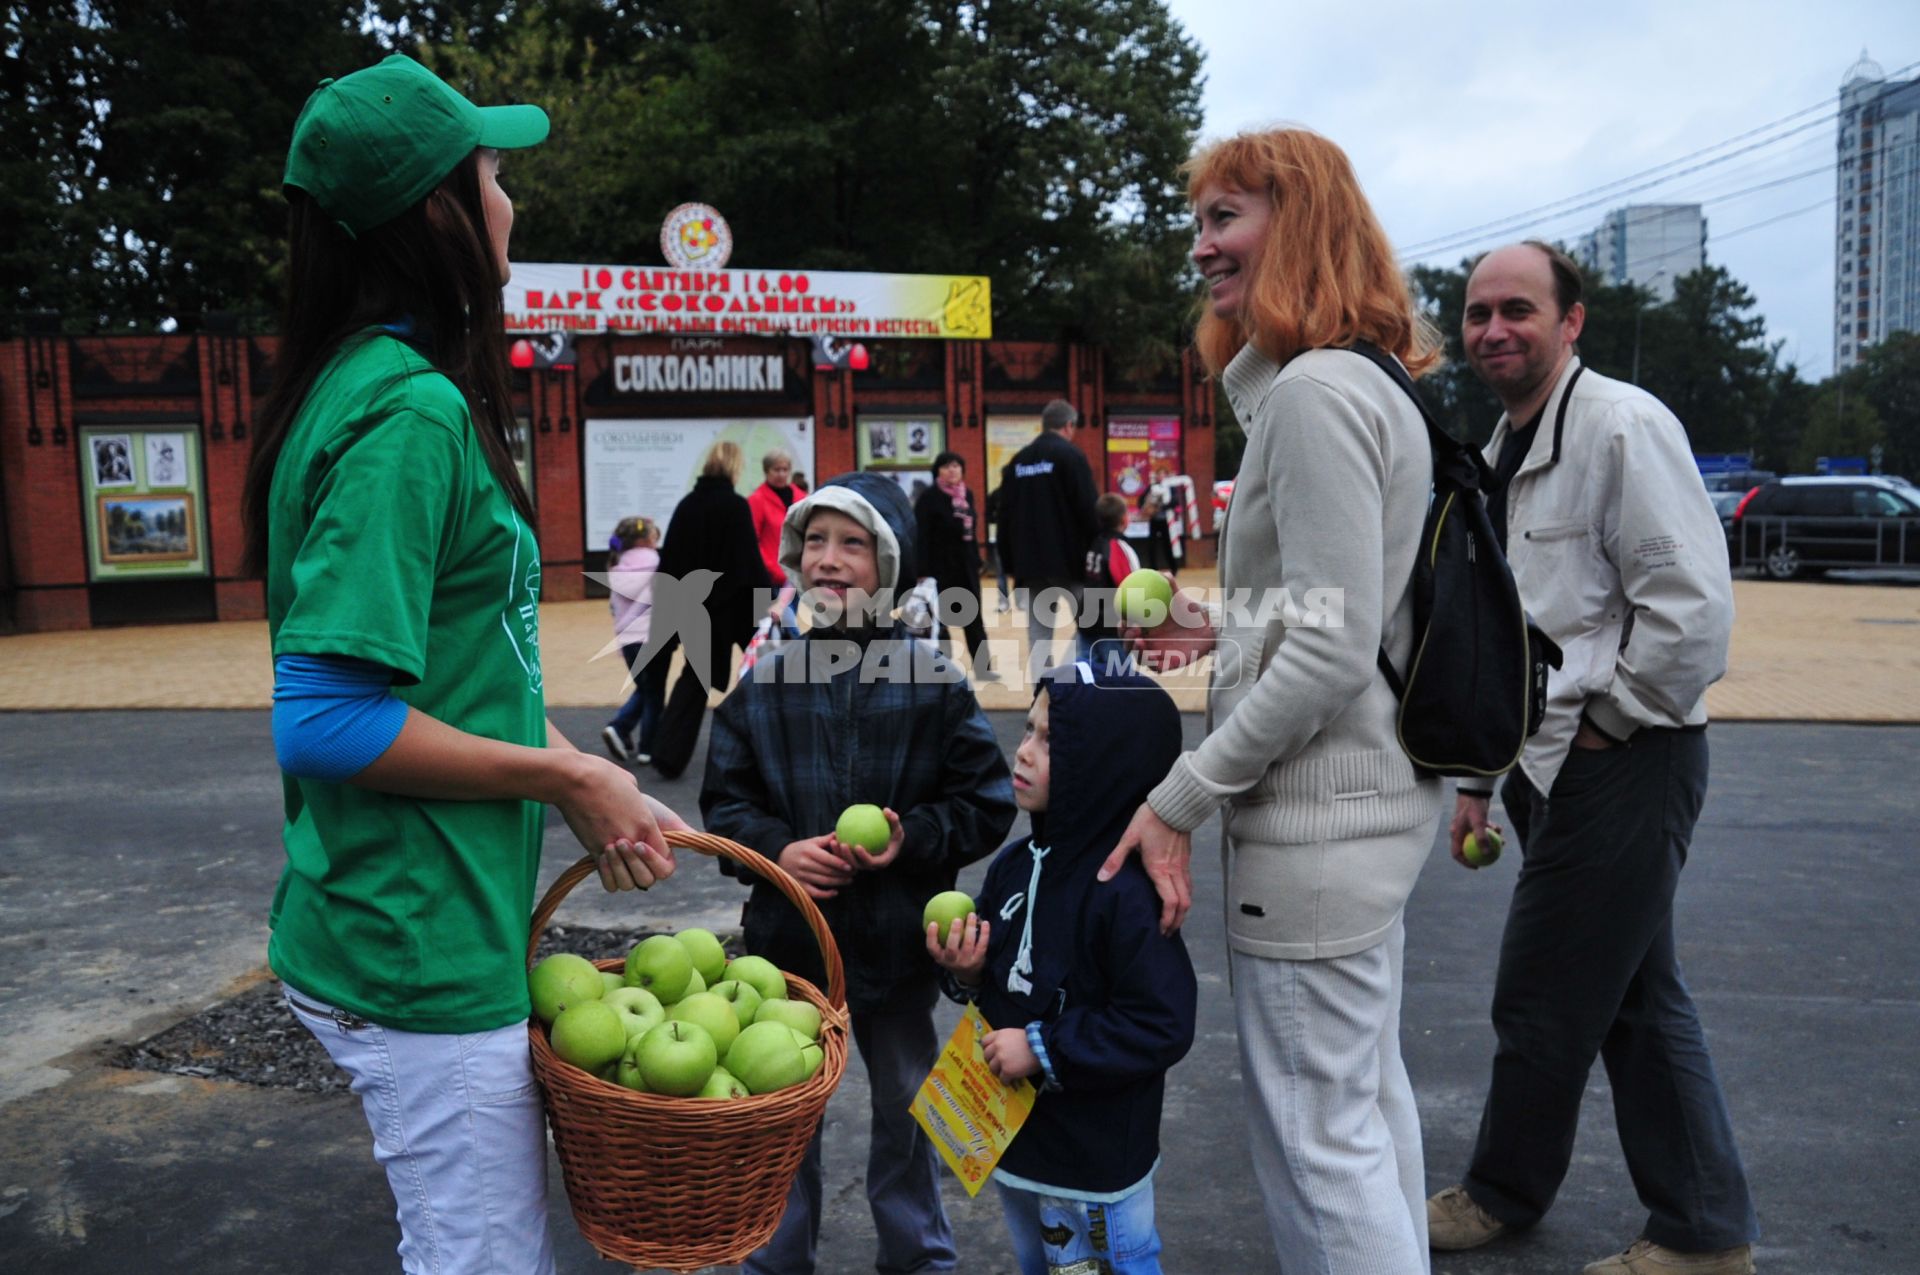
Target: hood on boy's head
(873, 501)
(1112, 737)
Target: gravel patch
(253, 1039)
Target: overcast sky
(1455, 121)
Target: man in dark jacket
(1086, 996)
(1046, 523)
(858, 712)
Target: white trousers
(458, 1126)
(1336, 1135)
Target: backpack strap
(1459, 463)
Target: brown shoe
(1455, 1222)
(1647, 1258)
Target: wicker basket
(677, 1182)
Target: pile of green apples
(680, 1020)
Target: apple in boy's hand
(864, 826)
(1144, 598)
(677, 1058)
(798, 1015)
(589, 1036)
(744, 998)
(662, 965)
(1480, 853)
(760, 974)
(946, 909)
(561, 980)
(709, 958)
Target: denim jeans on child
(458, 1126)
(1054, 1236)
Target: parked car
(1805, 525)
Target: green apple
(1480, 854)
(694, 984)
(1144, 598)
(761, 974)
(609, 1073)
(864, 826)
(626, 1072)
(561, 980)
(721, 1084)
(742, 996)
(709, 958)
(798, 1015)
(589, 1036)
(812, 1055)
(662, 966)
(639, 1009)
(766, 1057)
(613, 979)
(676, 1058)
(710, 1012)
(946, 909)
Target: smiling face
(1231, 234)
(837, 558)
(499, 210)
(1516, 339)
(1033, 760)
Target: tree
(1888, 377)
(1841, 423)
(142, 143)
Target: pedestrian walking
(635, 548)
(945, 519)
(1046, 523)
(1620, 559)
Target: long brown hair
(432, 264)
(1326, 275)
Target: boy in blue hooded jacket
(1085, 995)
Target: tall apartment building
(1647, 244)
(1876, 225)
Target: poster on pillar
(1006, 435)
(1142, 452)
(644, 467)
(145, 507)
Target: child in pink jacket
(634, 555)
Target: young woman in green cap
(403, 585)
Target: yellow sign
(970, 1113)
(576, 297)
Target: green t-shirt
(390, 540)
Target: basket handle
(719, 848)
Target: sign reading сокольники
(554, 297)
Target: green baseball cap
(370, 145)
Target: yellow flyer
(970, 1114)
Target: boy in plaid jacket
(855, 711)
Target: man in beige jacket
(1620, 559)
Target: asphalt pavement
(138, 851)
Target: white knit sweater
(1301, 747)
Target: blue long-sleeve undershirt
(332, 715)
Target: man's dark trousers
(1587, 966)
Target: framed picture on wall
(143, 502)
(899, 442)
(147, 528)
(112, 460)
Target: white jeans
(458, 1126)
(1336, 1135)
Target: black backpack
(1477, 686)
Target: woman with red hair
(1328, 823)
